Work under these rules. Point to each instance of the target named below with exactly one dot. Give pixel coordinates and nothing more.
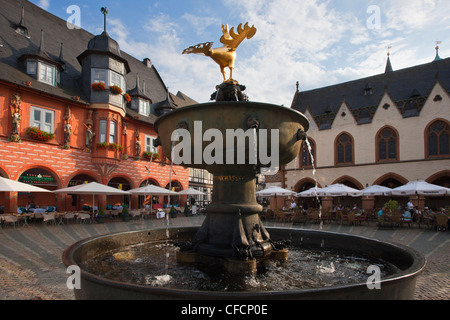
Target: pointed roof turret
(388, 64)
(139, 91)
(165, 106)
(21, 28)
(437, 51)
(41, 54)
(104, 44)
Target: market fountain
(217, 137)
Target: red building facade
(77, 115)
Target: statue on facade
(16, 103)
(138, 145)
(89, 137)
(67, 128)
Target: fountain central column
(232, 227)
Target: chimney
(147, 62)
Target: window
(116, 79)
(149, 144)
(438, 139)
(99, 75)
(387, 142)
(108, 77)
(344, 149)
(47, 73)
(102, 131)
(307, 158)
(43, 119)
(112, 132)
(31, 67)
(144, 107)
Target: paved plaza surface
(31, 266)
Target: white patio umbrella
(152, 190)
(8, 185)
(422, 188)
(93, 188)
(376, 191)
(311, 193)
(276, 191)
(340, 190)
(191, 192)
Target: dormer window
(368, 90)
(32, 67)
(47, 73)
(144, 107)
(43, 72)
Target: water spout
(308, 144)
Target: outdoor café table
(59, 217)
(38, 210)
(24, 217)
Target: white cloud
(410, 15)
(44, 4)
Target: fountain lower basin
(398, 286)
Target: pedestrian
(410, 207)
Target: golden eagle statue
(226, 55)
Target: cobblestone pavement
(31, 266)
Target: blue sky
(315, 42)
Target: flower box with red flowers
(98, 86)
(150, 155)
(102, 145)
(37, 134)
(127, 97)
(115, 89)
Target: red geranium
(98, 86)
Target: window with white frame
(43, 119)
(149, 144)
(112, 132)
(99, 75)
(102, 131)
(144, 107)
(47, 73)
(116, 79)
(108, 77)
(43, 72)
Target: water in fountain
(155, 264)
(174, 140)
(308, 144)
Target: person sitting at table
(293, 205)
(427, 216)
(406, 216)
(381, 214)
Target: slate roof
(75, 41)
(408, 88)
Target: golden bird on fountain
(225, 56)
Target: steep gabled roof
(366, 94)
(76, 42)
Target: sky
(313, 42)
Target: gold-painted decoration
(225, 56)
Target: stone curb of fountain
(31, 267)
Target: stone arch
(391, 180)
(304, 184)
(349, 181)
